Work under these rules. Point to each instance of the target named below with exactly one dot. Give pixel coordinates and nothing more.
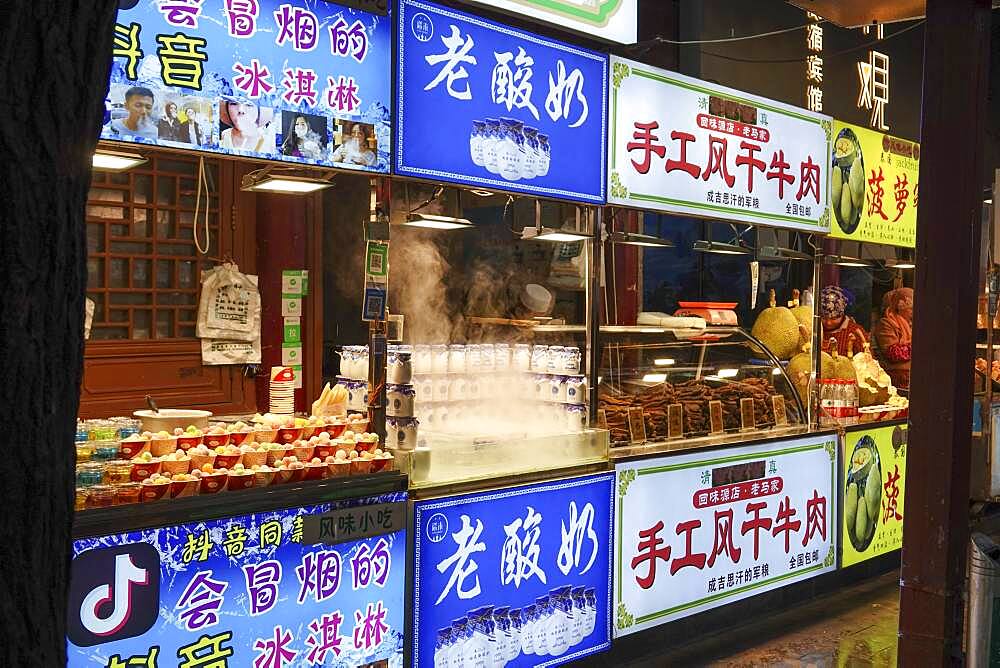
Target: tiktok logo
(114, 593)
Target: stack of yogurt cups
(281, 390)
(354, 376)
(495, 636)
(401, 423)
(459, 384)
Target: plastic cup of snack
(142, 469)
(216, 440)
(181, 488)
(254, 457)
(298, 474)
(303, 451)
(365, 446)
(105, 451)
(382, 462)
(133, 448)
(240, 437)
(282, 476)
(264, 434)
(361, 466)
(84, 451)
(340, 468)
(186, 442)
(324, 450)
(289, 434)
(154, 490)
(118, 472)
(227, 461)
(358, 426)
(309, 431)
(174, 466)
(276, 453)
(240, 480)
(264, 478)
(213, 483)
(82, 494)
(162, 446)
(316, 471)
(101, 496)
(130, 492)
(198, 460)
(335, 429)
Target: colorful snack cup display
(275, 453)
(101, 496)
(298, 474)
(82, 494)
(213, 483)
(382, 463)
(289, 434)
(185, 487)
(303, 451)
(265, 435)
(358, 426)
(263, 478)
(240, 437)
(118, 471)
(199, 459)
(105, 451)
(227, 461)
(282, 476)
(324, 450)
(130, 492)
(84, 451)
(159, 446)
(254, 458)
(142, 469)
(188, 441)
(172, 466)
(90, 474)
(309, 431)
(131, 448)
(155, 489)
(240, 480)
(365, 445)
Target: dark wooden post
(936, 526)
(54, 60)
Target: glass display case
(669, 388)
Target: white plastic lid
(537, 298)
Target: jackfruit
(851, 511)
(861, 526)
(804, 315)
(778, 330)
(846, 208)
(873, 492)
(838, 184)
(856, 181)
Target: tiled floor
(856, 627)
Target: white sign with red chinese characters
(685, 146)
(700, 530)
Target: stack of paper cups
(282, 390)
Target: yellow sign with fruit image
(874, 186)
(874, 477)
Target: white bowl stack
(282, 390)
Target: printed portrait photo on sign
(132, 112)
(354, 143)
(303, 135)
(245, 126)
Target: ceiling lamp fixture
(644, 240)
(264, 181)
(719, 248)
(846, 261)
(434, 222)
(116, 161)
(778, 254)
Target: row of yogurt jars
(495, 636)
(357, 393)
(354, 362)
(528, 387)
(448, 417)
(508, 147)
(493, 357)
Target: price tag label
(675, 420)
(636, 425)
(746, 414)
(716, 425)
(778, 405)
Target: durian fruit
(804, 315)
(840, 367)
(800, 367)
(874, 385)
(777, 329)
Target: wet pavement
(854, 627)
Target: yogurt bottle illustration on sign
(475, 642)
(514, 624)
(579, 615)
(476, 143)
(543, 604)
(560, 630)
(528, 630)
(490, 141)
(459, 638)
(544, 155)
(529, 169)
(442, 649)
(510, 149)
(591, 595)
(501, 625)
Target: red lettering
(717, 160)
(778, 170)
(724, 537)
(815, 517)
(750, 161)
(808, 180)
(645, 142)
(756, 524)
(694, 559)
(649, 552)
(683, 164)
(783, 522)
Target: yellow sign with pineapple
(873, 490)
(874, 186)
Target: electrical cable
(721, 40)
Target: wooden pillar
(936, 526)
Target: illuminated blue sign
(301, 81)
(516, 577)
(482, 104)
(264, 589)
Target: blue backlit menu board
(249, 590)
(305, 81)
(516, 577)
(482, 104)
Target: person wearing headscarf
(894, 335)
(839, 328)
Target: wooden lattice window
(143, 268)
